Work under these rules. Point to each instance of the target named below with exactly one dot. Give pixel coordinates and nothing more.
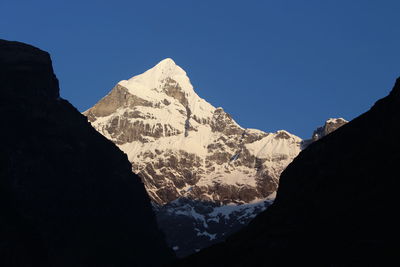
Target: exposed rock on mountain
(329, 126)
(187, 151)
(336, 204)
(67, 194)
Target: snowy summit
(155, 85)
(157, 115)
(184, 148)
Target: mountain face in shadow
(336, 204)
(67, 194)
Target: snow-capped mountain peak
(167, 83)
(176, 140)
(166, 68)
(183, 148)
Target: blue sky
(270, 64)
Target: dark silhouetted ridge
(336, 205)
(67, 194)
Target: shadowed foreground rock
(337, 203)
(67, 194)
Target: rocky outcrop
(336, 204)
(329, 126)
(67, 194)
(118, 97)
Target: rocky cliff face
(190, 155)
(336, 203)
(67, 194)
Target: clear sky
(270, 64)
